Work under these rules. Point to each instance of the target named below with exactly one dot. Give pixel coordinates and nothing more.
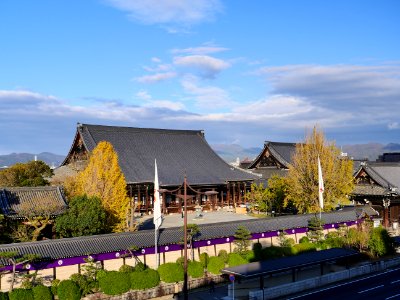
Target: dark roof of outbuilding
(14, 201)
(177, 152)
(282, 152)
(81, 246)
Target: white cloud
(199, 50)
(206, 97)
(155, 77)
(180, 12)
(206, 66)
(394, 125)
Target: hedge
(195, 269)
(171, 272)
(68, 290)
(215, 265)
(235, 259)
(41, 292)
(114, 283)
(54, 286)
(21, 294)
(204, 259)
(3, 296)
(146, 279)
(304, 247)
(126, 269)
(223, 254)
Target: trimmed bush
(54, 286)
(257, 252)
(181, 260)
(41, 292)
(215, 264)
(305, 247)
(3, 296)
(272, 252)
(126, 269)
(21, 294)
(204, 259)
(68, 290)
(380, 242)
(235, 259)
(171, 272)
(223, 254)
(146, 279)
(195, 269)
(114, 283)
(100, 274)
(304, 239)
(83, 282)
(140, 267)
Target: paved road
(384, 285)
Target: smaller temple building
(378, 184)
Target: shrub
(54, 286)
(171, 272)
(204, 259)
(249, 256)
(272, 252)
(304, 247)
(334, 240)
(304, 239)
(380, 242)
(181, 260)
(223, 255)
(235, 259)
(257, 250)
(215, 264)
(41, 292)
(68, 290)
(195, 269)
(114, 283)
(140, 267)
(288, 251)
(146, 279)
(126, 269)
(21, 294)
(3, 296)
(83, 282)
(101, 274)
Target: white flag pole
(320, 188)
(157, 219)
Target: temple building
(378, 184)
(212, 183)
(275, 158)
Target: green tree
(302, 179)
(103, 178)
(85, 216)
(258, 197)
(33, 173)
(242, 239)
(277, 187)
(315, 231)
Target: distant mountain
(231, 152)
(371, 151)
(49, 158)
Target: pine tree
(302, 179)
(242, 239)
(103, 178)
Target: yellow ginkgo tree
(302, 179)
(103, 178)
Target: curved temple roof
(177, 152)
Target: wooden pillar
(147, 198)
(240, 192)
(139, 197)
(164, 203)
(179, 201)
(228, 193)
(234, 195)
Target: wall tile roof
(83, 246)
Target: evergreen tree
(33, 173)
(242, 239)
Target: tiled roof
(282, 152)
(387, 175)
(16, 200)
(177, 152)
(83, 246)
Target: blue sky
(244, 71)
